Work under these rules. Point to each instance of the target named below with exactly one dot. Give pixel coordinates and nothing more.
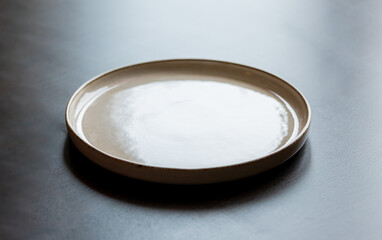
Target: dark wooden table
(330, 50)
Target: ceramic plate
(188, 121)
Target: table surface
(330, 50)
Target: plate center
(187, 123)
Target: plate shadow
(192, 197)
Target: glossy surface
(186, 124)
(329, 49)
(150, 120)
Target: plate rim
(72, 132)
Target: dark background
(330, 50)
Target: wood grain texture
(330, 50)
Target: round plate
(188, 121)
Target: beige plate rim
(72, 130)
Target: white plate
(188, 121)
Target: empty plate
(188, 121)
